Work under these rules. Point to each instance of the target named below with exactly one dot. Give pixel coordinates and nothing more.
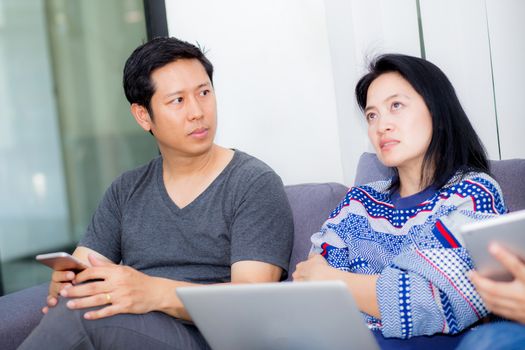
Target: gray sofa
(311, 204)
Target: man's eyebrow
(203, 85)
(181, 91)
(388, 98)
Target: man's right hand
(59, 281)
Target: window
(66, 128)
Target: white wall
(456, 39)
(507, 40)
(286, 71)
(357, 31)
(273, 80)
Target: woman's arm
(362, 287)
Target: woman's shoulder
(370, 194)
(473, 179)
(377, 190)
(380, 187)
(478, 187)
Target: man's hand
(506, 299)
(59, 281)
(122, 288)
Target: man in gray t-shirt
(242, 215)
(197, 214)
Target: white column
(358, 31)
(456, 40)
(507, 42)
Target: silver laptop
(508, 230)
(304, 315)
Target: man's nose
(195, 110)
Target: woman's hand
(316, 268)
(362, 287)
(506, 299)
(122, 288)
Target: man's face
(184, 108)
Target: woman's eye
(204, 92)
(396, 105)
(371, 116)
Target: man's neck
(176, 167)
(181, 166)
(185, 178)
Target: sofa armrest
(20, 312)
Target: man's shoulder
(247, 166)
(139, 174)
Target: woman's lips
(388, 144)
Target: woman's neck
(409, 182)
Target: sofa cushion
(311, 204)
(510, 174)
(370, 169)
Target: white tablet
(508, 230)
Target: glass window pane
(66, 128)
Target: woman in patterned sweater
(396, 243)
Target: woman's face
(399, 122)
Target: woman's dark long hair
(454, 146)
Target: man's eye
(177, 100)
(204, 92)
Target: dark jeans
(63, 328)
(493, 336)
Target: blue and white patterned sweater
(423, 287)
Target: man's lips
(199, 132)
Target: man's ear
(142, 116)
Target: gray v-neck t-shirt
(243, 215)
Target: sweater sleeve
(328, 243)
(425, 290)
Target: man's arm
(82, 254)
(255, 272)
(126, 290)
(242, 272)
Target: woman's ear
(142, 116)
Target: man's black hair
(152, 55)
